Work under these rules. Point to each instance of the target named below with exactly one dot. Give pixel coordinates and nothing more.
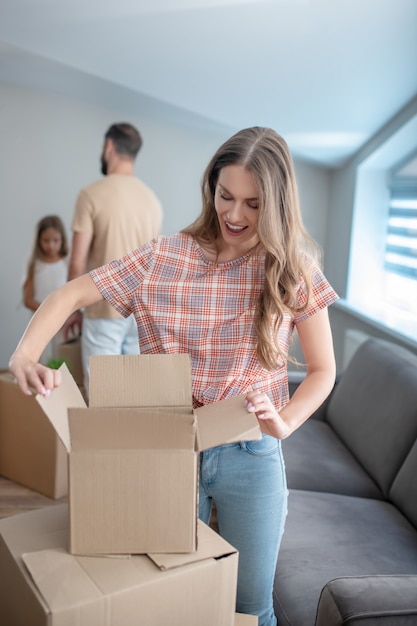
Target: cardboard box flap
(55, 407)
(60, 579)
(130, 429)
(47, 529)
(225, 422)
(65, 580)
(147, 380)
(7, 377)
(210, 546)
(245, 620)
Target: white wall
(314, 190)
(50, 147)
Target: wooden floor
(17, 499)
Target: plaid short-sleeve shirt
(184, 303)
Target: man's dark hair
(126, 139)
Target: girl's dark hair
(49, 221)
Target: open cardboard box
(43, 585)
(133, 453)
(31, 454)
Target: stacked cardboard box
(43, 585)
(132, 490)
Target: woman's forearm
(45, 323)
(308, 397)
(317, 345)
(52, 314)
(316, 342)
(310, 394)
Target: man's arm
(80, 249)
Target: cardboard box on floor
(43, 585)
(31, 454)
(133, 453)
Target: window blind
(401, 240)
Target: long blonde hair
(289, 249)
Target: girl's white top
(47, 277)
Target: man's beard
(103, 166)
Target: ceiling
(326, 74)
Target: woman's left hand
(270, 421)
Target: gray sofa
(349, 550)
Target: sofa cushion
(317, 460)
(328, 536)
(369, 601)
(403, 492)
(374, 408)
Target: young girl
(229, 290)
(47, 268)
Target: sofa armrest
(355, 600)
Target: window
(382, 282)
(401, 246)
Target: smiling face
(236, 203)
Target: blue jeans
(247, 482)
(107, 336)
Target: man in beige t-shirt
(112, 216)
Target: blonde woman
(229, 290)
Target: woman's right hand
(32, 376)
